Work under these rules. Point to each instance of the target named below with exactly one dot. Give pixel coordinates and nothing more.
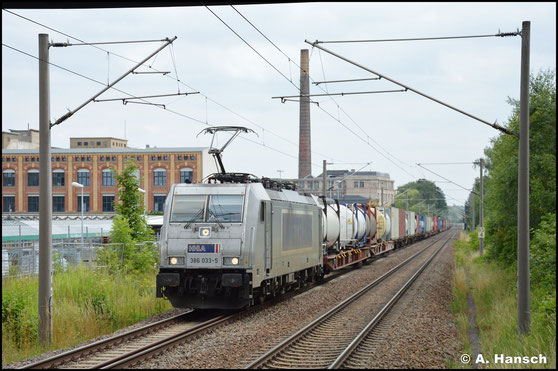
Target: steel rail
(305, 330)
(74, 353)
(346, 353)
(150, 350)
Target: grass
(495, 294)
(86, 304)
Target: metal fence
(22, 258)
(16, 234)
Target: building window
(79, 143)
(85, 203)
(179, 157)
(58, 178)
(165, 158)
(159, 203)
(102, 158)
(193, 157)
(33, 204)
(108, 202)
(8, 178)
(361, 184)
(83, 177)
(186, 175)
(98, 143)
(58, 204)
(85, 143)
(33, 178)
(160, 177)
(108, 178)
(139, 158)
(8, 203)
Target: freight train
(237, 239)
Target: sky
(239, 57)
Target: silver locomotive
(227, 245)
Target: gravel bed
(421, 329)
(236, 344)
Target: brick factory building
(159, 168)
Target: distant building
(20, 139)
(343, 184)
(101, 142)
(159, 168)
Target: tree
(129, 203)
(502, 163)
(132, 248)
(423, 193)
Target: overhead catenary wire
(150, 103)
(155, 71)
(337, 119)
(494, 125)
(467, 189)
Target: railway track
(133, 346)
(332, 340)
(136, 345)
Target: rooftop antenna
(216, 152)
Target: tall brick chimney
(304, 144)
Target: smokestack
(304, 145)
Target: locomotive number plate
(203, 255)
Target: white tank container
(332, 226)
(361, 223)
(385, 215)
(347, 225)
(372, 226)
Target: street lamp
(78, 185)
(144, 200)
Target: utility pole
(407, 202)
(481, 224)
(473, 199)
(324, 180)
(45, 181)
(523, 293)
(45, 198)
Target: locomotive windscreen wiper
(211, 212)
(198, 214)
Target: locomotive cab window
(209, 209)
(225, 208)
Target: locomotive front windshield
(207, 208)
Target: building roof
(339, 173)
(97, 138)
(55, 150)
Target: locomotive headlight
(205, 231)
(230, 261)
(176, 260)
